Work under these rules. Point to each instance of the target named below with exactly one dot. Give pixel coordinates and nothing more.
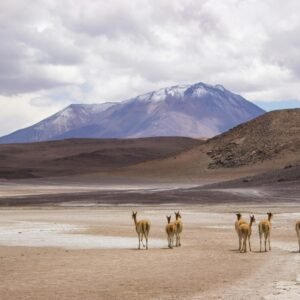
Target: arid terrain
(66, 230)
(84, 156)
(89, 252)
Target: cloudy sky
(57, 52)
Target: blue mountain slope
(197, 110)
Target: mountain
(197, 110)
(72, 117)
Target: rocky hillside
(273, 135)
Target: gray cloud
(31, 45)
(51, 51)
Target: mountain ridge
(197, 110)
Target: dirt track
(207, 266)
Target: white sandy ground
(250, 192)
(272, 275)
(21, 190)
(38, 234)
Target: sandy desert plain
(72, 236)
(87, 250)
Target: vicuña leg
(249, 244)
(260, 238)
(139, 240)
(266, 238)
(298, 233)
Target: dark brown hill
(273, 135)
(82, 156)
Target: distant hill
(197, 110)
(84, 156)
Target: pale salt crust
(37, 234)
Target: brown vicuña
(170, 230)
(264, 228)
(142, 228)
(298, 232)
(179, 228)
(239, 221)
(245, 234)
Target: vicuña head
(270, 216)
(134, 215)
(169, 219)
(238, 216)
(177, 215)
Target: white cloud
(56, 52)
(18, 112)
